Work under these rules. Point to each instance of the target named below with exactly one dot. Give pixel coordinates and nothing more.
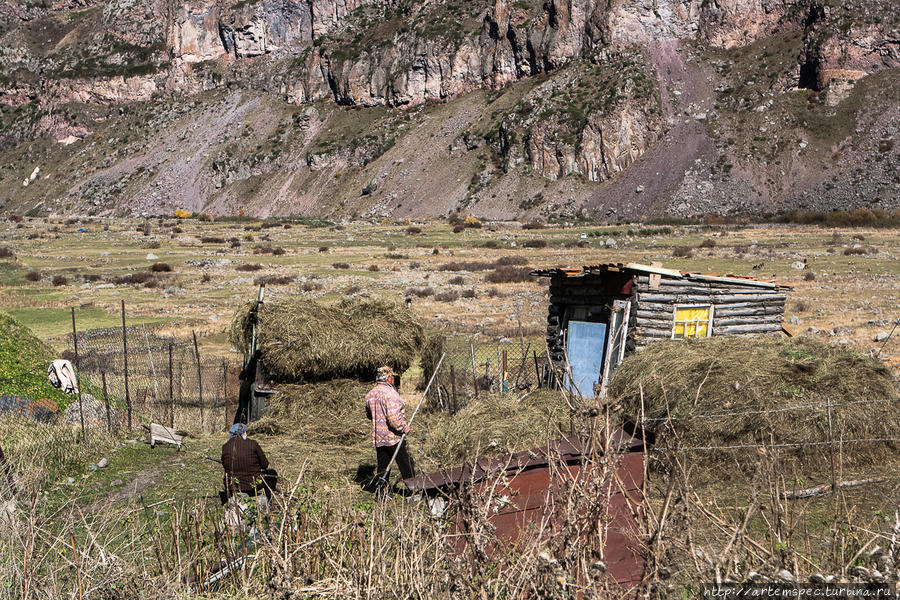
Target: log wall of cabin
(738, 309)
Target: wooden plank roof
(641, 269)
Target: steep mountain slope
(610, 108)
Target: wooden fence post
(199, 378)
(171, 390)
(125, 358)
(504, 376)
(474, 370)
(452, 390)
(106, 402)
(78, 377)
(225, 392)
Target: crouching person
(247, 473)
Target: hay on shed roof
(720, 391)
(492, 425)
(300, 340)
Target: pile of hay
(492, 425)
(332, 412)
(300, 340)
(702, 384)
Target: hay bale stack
(703, 383)
(332, 412)
(492, 425)
(299, 340)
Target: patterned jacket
(385, 408)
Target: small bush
(133, 278)
(151, 283)
(310, 286)
(472, 223)
(7, 252)
(682, 252)
(510, 260)
(465, 266)
(353, 289)
(470, 293)
(373, 268)
(493, 293)
(182, 214)
(15, 219)
(491, 244)
(707, 243)
(533, 225)
(809, 276)
(249, 267)
(323, 249)
(395, 256)
(854, 251)
(208, 239)
(800, 307)
(435, 251)
(420, 292)
(59, 280)
(340, 265)
(457, 280)
(534, 244)
(92, 277)
(161, 267)
(413, 230)
(509, 274)
(450, 296)
(415, 265)
(273, 280)
(458, 229)
(177, 230)
(206, 278)
(33, 276)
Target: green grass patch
(23, 363)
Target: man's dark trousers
(404, 462)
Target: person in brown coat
(246, 466)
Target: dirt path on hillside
(684, 93)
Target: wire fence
(473, 367)
(136, 375)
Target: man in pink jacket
(385, 409)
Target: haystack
(493, 425)
(332, 412)
(299, 340)
(725, 391)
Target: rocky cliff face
(586, 95)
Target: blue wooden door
(586, 347)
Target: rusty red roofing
(566, 449)
(646, 269)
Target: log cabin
(600, 313)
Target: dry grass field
(101, 533)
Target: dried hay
(300, 340)
(493, 425)
(332, 412)
(691, 381)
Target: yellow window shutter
(691, 322)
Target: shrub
(161, 267)
(205, 217)
(809, 276)
(340, 265)
(133, 278)
(472, 223)
(415, 265)
(59, 280)
(682, 252)
(800, 307)
(395, 256)
(420, 292)
(7, 252)
(413, 230)
(353, 289)
(457, 280)
(534, 244)
(151, 283)
(707, 243)
(182, 214)
(273, 250)
(212, 240)
(278, 251)
(491, 244)
(508, 274)
(151, 245)
(458, 229)
(33, 276)
(177, 230)
(249, 267)
(323, 248)
(510, 260)
(470, 293)
(373, 268)
(449, 296)
(435, 251)
(493, 293)
(273, 280)
(854, 251)
(206, 278)
(15, 219)
(91, 277)
(310, 286)
(533, 225)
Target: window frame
(709, 325)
